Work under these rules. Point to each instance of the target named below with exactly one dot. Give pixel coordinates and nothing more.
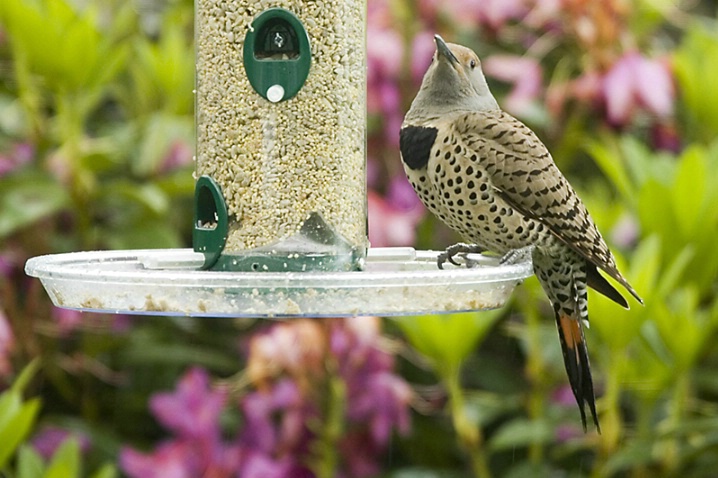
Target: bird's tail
(575, 358)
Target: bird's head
(454, 82)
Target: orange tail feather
(575, 357)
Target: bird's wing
(525, 176)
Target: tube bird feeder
(281, 146)
(280, 203)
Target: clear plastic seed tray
(395, 281)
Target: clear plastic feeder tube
(281, 130)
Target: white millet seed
(279, 162)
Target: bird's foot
(462, 249)
(517, 256)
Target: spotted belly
(452, 183)
(460, 193)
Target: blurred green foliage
(100, 94)
(17, 418)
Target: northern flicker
(488, 176)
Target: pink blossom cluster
(633, 85)
(18, 155)
(8, 266)
(7, 344)
(618, 84)
(283, 415)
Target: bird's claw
(516, 256)
(458, 249)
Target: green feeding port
(277, 55)
(211, 223)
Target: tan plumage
(488, 176)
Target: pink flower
(563, 396)
(168, 461)
(635, 82)
(7, 343)
(429, 9)
(360, 452)
(275, 419)
(296, 348)
(379, 14)
(19, 155)
(587, 87)
(389, 226)
(257, 465)
(67, 319)
(192, 412)
(625, 232)
(491, 13)
(422, 49)
(524, 73)
(377, 399)
(665, 137)
(566, 433)
(384, 404)
(7, 265)
(389, 98)
(182, 458)
(193, 409)
(393, 220)
(401, 195)
(281, 418)
(178, 155)
(544, 14)
(385, 51)
(49, 439)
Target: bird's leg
(516, 256)
(459, 248)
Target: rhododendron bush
(96, 145)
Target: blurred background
(96, 145)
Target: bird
(488, 176)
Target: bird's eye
(472, 64)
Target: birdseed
(277, 163)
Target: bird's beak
(444, 50)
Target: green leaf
(651, 368)
(424, 473)
(65, 463)
(107, 471)
(22, 380)
(10, 403)
(532, 470)
(123, 194)
(520, 433)
(684, 327)
(646, 264)
(654, 208)
(613, 167)
(487, 407)
(16, 429)
(671, 275)
(616, 326)
(153, 352)
(160, 133)
(689, 190)
(29, 463)
(696, 76)
(27, 197)
(146, 233)
(447, 339)
(632, 455)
